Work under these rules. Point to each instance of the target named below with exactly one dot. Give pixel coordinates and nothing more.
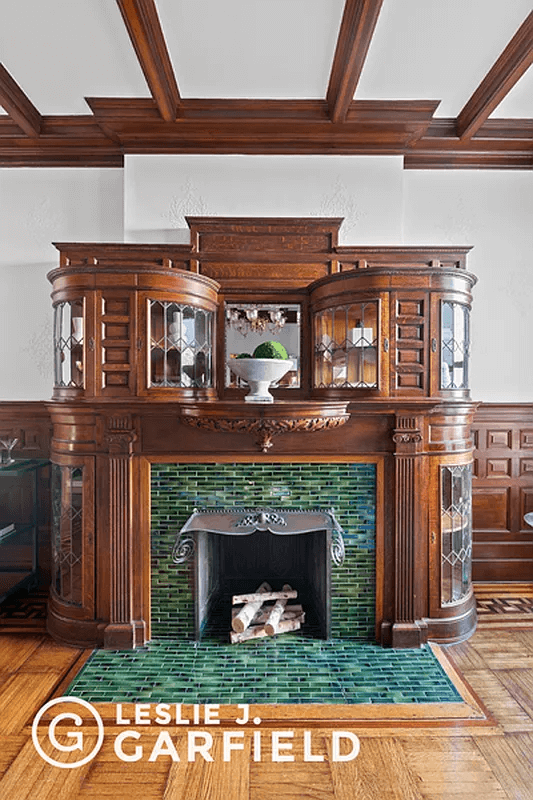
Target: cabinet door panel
(409, 336)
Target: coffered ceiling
(445, 83)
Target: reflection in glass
(456, 523)
(68, 343)
(181, 343)
(455, 346)
(67, 522)
(346, 340)
(250, 324)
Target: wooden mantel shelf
(266, 420)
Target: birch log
(259, 632)
(276, 613)
(290, 594)
(263, 614)
(248, 611)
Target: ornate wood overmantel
(114, 414)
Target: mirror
(250, 324)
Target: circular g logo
(76, 736)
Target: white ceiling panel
(251, 48)
(60, 51)
(437, 49)
(519, 101)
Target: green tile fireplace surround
(295, 668)
(348, 488)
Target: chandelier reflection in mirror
(251, 318)
(250, 324)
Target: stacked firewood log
(255, 619)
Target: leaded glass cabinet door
(450, 347)
(73, 534)
(351, 346)
(176, 354)
(456, 532)
(450, 533)
(69, 344)
(454, 345)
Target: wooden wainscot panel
(498, 467)
(526, 439)
(525, 505)
(499, 439)
(30, 423)
(526, 467)
(491, 509)
(503, 492)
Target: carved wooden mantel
(110, 423)
(266, 421)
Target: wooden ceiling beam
(506, 71)
(403, 128)
(144, 28)
(355, 34)
(18, 105)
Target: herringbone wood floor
(403, 760)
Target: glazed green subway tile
(306, 673)
(178, 488)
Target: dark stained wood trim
(65, 141)
(356, 31)
(144, 28)
(266, 127)
(455, 159)
(18, 105)
(499, 128)
(507, 70)
(250, 127)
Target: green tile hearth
(287, 669)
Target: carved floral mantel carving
(275, 419)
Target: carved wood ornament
(265, 428)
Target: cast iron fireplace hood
(245, 521)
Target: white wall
(381, 203)
(161, 190)
(37, 207)
(493, 211)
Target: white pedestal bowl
(259, 373)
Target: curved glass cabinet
(69, 324)
(181, 345)
(456, 533)
(455, 345)
(67, 533)
(346, 346)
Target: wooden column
(407, 631)
(122, 630)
